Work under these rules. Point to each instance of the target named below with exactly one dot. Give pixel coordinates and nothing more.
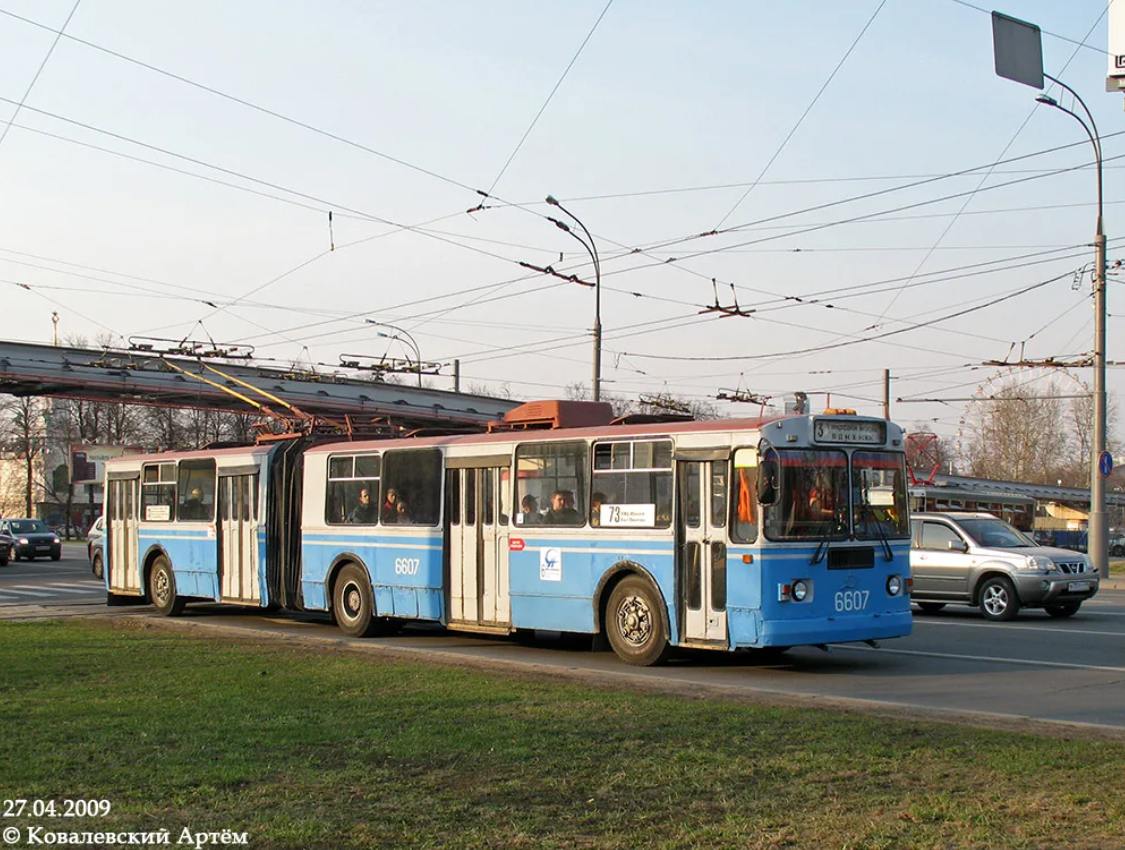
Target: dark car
(6, 544)
(33, 539)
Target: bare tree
(1017, 438)
(1079, 418)
(24, 438)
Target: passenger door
(937, 569)
(121, 545)
(701, 551)
(238, 539)
(477, 512)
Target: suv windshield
(29, 526)
(994, 534)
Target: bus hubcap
(634, 620)
(351, 600)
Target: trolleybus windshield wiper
(868, 511)
(825, 541)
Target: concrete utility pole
(887, 394)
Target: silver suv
(977, 559)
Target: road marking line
(28, 593)
(85, 585)
(1019, 628)
(1022, 662)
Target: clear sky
(864, 175)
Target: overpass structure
(147, 377)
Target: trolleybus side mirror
(767, 482)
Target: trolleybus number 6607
(852, 600)
(407, 566)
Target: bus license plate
(1078, 585)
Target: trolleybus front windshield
(812, 495)
(879, 497)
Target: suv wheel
(998, 600)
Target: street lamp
(592, 250)
(401, 336)
(1018, 50)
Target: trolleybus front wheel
(634, 624)
(162, 589)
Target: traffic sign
(1105, 464)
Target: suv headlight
(1038, 562)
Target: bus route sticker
(516, 544)
(550, 564)
(628, 516)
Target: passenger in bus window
(562, 510)
(193, 507)
(596, 502)
(402, 511)
(529, 511)
(389, 512)
(364, 512)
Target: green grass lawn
(314, 747)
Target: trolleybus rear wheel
(634, 624)
(162, 589)
(352, 602)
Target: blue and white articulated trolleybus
(724, 535)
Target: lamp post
(592, 250)
(402, 336)
(1018, 51)
(1097, 534)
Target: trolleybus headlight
(800, 590)
(894, 585)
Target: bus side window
(555, 474)
(637, 473)
(196, 491)
(158, 492)
(744, 497)
(415, 477)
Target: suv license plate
(1078, 585)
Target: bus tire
(930, 607)
(162, 589)
(353, 604)
(634, 623)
